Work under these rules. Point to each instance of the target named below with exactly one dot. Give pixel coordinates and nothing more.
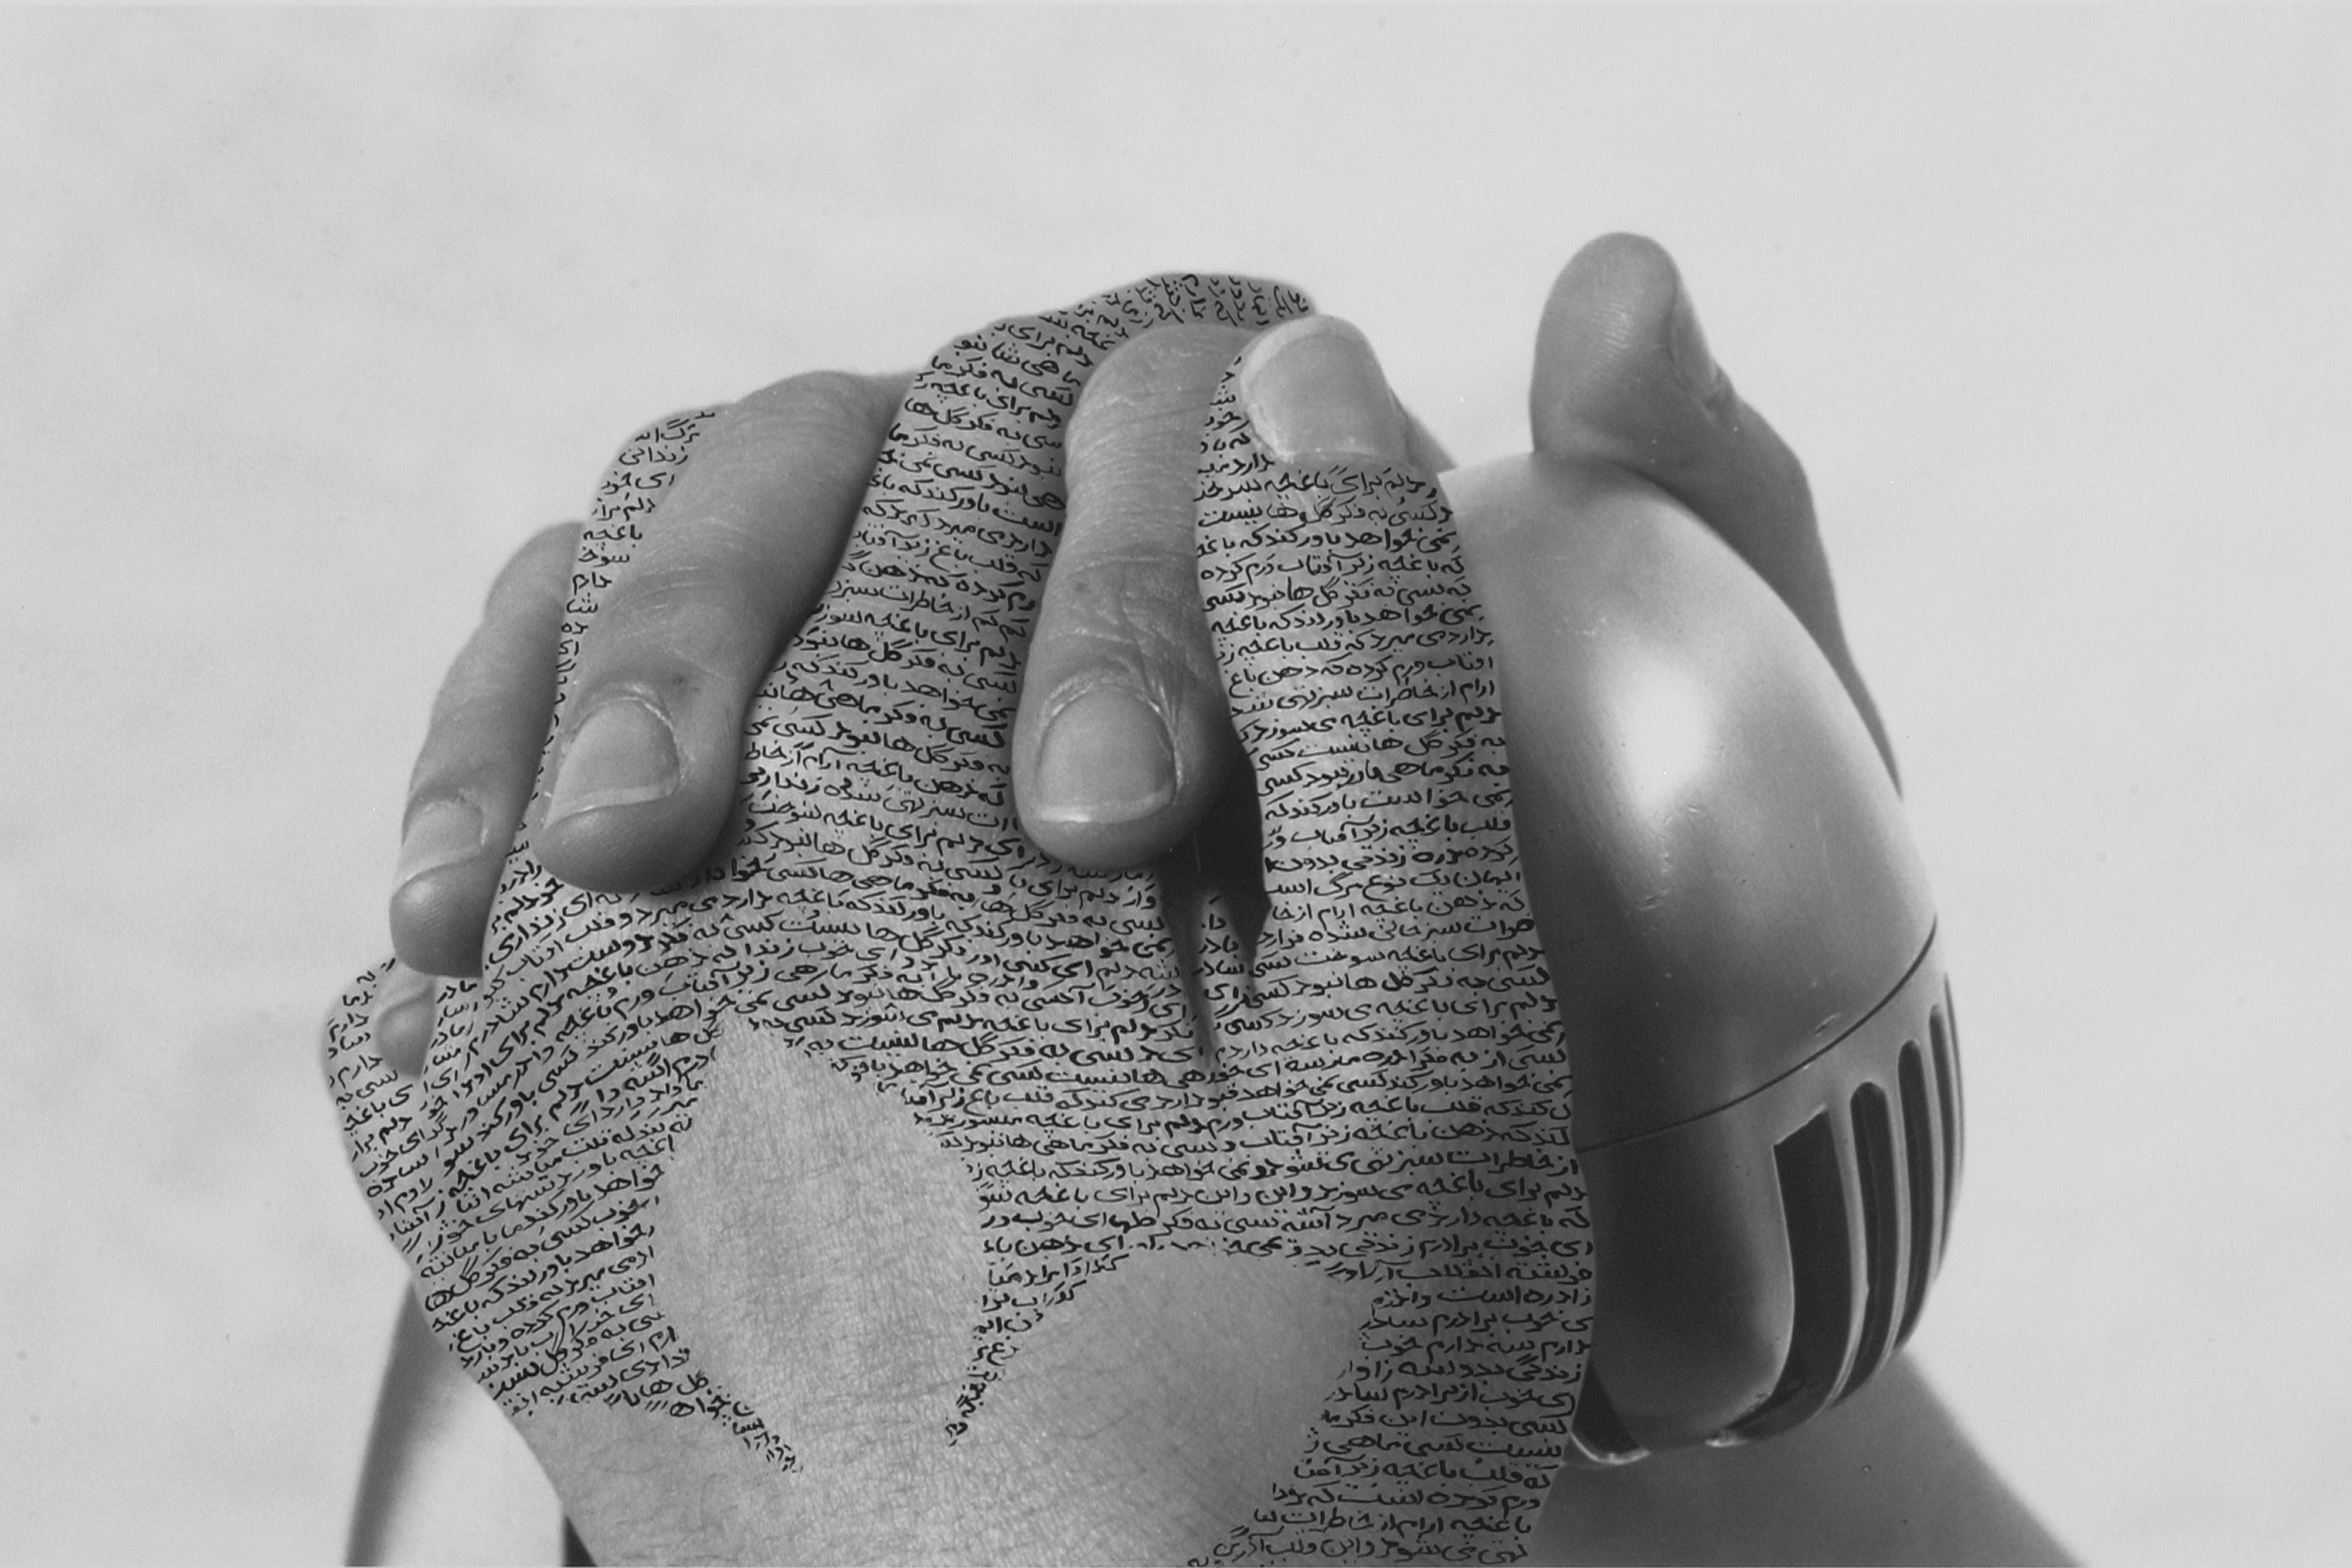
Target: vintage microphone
(1740, 933)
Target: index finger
(734, 557)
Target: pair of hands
(644, 778)
(1119, 670)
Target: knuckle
(825, 404)
(697, 598)
(1161, 378)
(750, 479)
(1133, 633)
(470, 715)
(560, 541)
(1144, 595)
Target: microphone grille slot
(1943, 1035)
(1813, 1198)
(1922, 1136)
(1883, 1224)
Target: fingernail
(440, 832)
(1687, 345)
(403, 1020)
(1105, 757)
(1314, 389)
(622, 753)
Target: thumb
(1361, 681)
(1405, 1046)
(1624, 375)
(1358, 671)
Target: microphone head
(1740, 933)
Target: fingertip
(1105, 758)
(1611, 299)
(622, 752)
(627, 849)
(438, 917)
(1110, 784)
(621, 843)
(642, 782)
(1622, 365)
(403, 1020)
(442, 887)
(1314, 391)
(1108, 847)
(438, 833)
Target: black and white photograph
(1154, 783)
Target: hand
(1608, 391)
(739, 550)
(876, 1184)
(742, 547)
(1121, 740)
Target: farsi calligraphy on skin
(590, 1184)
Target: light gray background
(308, 318)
